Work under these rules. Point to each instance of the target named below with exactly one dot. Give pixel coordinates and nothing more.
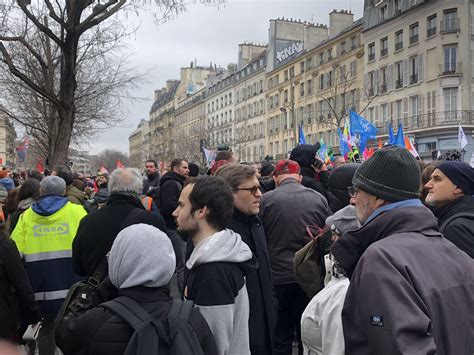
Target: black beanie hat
(461, 174)
(392, 174)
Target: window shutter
(405, 72)
(420, 67)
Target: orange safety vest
(147, 202)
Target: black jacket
(97, 231)
(340, 180)
(410, 288)
(459, 230)
(151, 186)
(259, 283)
(17, 300)
(170, 189)
(99, 331)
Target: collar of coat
(408, 219)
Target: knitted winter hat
(392, 174)
(461, 174)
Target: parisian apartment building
(404, 61)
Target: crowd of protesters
(296, 255)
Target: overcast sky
(205, 34)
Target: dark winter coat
(259, 283)
(151, 186)
(410, 288)
(340, 180)
(98, 230)
(285, 213)
(460, 230)
(266, 184)
(170, 189)
(74, 195)
(17, 300)
(100, 331)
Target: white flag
(462, 139)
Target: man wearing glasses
(409, 287)
(285, 212)
(245, 186)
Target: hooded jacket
(215, 281)
(44, 235)
(141, 264)
(409, 287)
(340, 180)
(459, 230)
(304, 155)
(170, 188)
(98, 230)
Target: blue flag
(391, 136)
(322, 152)
(400, 139)
(302, 139)
(362, 144)
(361, 126)
(343, 146)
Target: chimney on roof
(338, 21)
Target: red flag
(39, 166)
(119, 165)
(103, 170)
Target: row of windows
(249, 91)
(251, 110)
(218, 120)
(324, 56)
(450, 23)
(219, 103)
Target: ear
(201, 213)
(380, 202)
(458, 191)
(300, 178)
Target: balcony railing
(413, 79)
(398, 45)
(432, 120)
(454, 68)
(384, 52)
(371, 57)
(383, 88)
(414, 39)
(431, 32)
(450, 25)
(398, 83)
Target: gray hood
(26, 203)
(141, 255)
(224, 246)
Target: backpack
(148, 331)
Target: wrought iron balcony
(398, 45)
(384, 52)
(433, 120)
(413, 79)
(398, 83)
(454, 68)
(450, 25)
(414, 39)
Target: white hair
(125, 180)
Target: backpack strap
(148, 331)
(461, 214)
(181, 309)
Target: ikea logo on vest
(51, 230)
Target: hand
(323, 166)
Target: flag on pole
(368, 152)
(301, 138)
(343, 145)
(462, 139)
(362, 143)
(119, 164)
(399, 139)
(361, 126)
(39, 166)
(103, 170)
(391, 136)
(411, 148)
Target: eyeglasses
(352, 191)
(253, 190)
